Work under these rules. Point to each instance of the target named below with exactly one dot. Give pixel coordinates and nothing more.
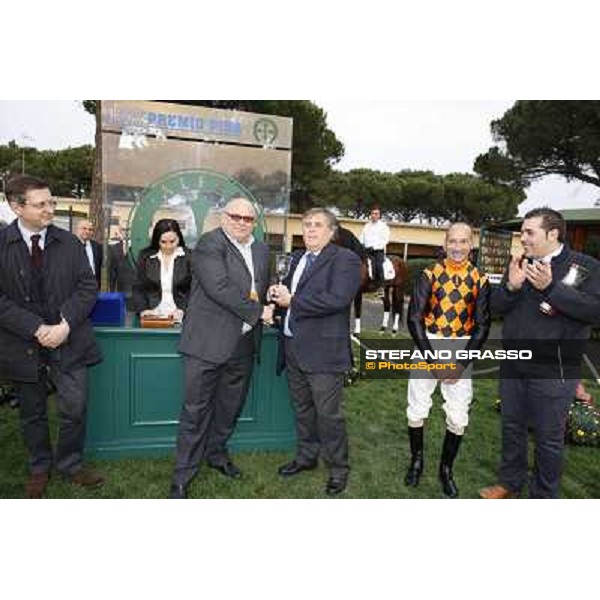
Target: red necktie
(36, 251)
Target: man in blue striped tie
(315, 348)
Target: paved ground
(372, 313)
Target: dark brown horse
(393, 290)
(393, 295)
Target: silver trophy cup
(282, 266)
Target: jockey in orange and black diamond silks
(450, 300)
(454, 291)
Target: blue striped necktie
(310, 259)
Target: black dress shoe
(178, 492)
(228, 469)
(335, 485)
(293, 468)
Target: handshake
(280, 295)
(276, 295)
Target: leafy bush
(415, 267)
(583, 424)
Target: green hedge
(415, 266)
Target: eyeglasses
(315, 224)
(43, 205)
(240, 218)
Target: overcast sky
(441, 136)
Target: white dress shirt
(167, 304)
(548, 258)
(246, 252)
(375, 235)
(295, 280)
(90, 255)
(26, 234)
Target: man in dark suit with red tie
(47, 291)
(316, 351)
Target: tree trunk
(96, 213)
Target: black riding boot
(449, 452)
(415, 469)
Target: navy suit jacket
(320, 310)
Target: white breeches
(457, 396)
(457, 399)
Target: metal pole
(591, 367)
(285, 226)
(284, 244)
(24, 139)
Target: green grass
(376, 417)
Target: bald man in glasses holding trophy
(219, 338)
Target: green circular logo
(195, 198)
(265, 131)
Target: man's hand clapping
(539, 275)
(516, 274)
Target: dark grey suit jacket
(220, 298)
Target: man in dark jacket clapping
(549, 300)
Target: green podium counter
(136, 395)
